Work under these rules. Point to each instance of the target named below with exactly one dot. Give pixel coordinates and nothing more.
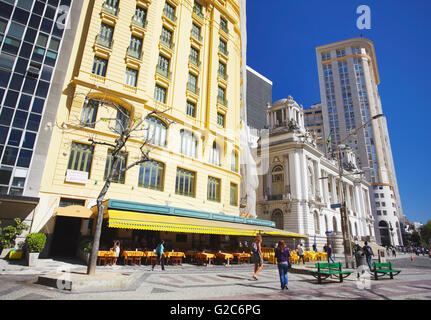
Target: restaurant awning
(74, 212)
(160, 222)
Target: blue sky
(283, 34)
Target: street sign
(336, 205)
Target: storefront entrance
(66, 237)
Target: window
(188, 143)
(222, 70)
(160, 93)
(81, 156)
(383, 204)
(379, 212)
(192, 83)
(223, 25)
(196, 32)
(233, 194)
(197, 9)
(214, 157)
(120, 175)
(151, 175)
(155, 131)
(140, 16)
(16, 30)
(111, 6)
(220, 119)
(326, 56)
(135, 47)
(89, 112)
(377, 204)
(223, 47)
(341, 53)
(99, 66)
(191, 109)
(185, 183)
(213, 189)
(169, 11)
(376, 195)
(131, 77)
(221, 97)
(234, 161)
(42, 40)
(105, 35)
(166, 37)
(385, 212)
(194, 56)
(122, 119)
(163, 66)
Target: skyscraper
(349, 79)
(35, 42)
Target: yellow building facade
(180, 57)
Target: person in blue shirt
(160, 257)
(282, 254)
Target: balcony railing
(167, 42)
(198, 12)
(195, 61)
(169, 15)
(131, 52)
(110, 9)
(192, 88)
(164, 72)
(103, 41)
(222, 101)
(137, 21)
(197, 36)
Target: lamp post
(344, 217)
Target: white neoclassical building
(300, 184)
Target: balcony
(139, 22)
(104, 42)
(132, 52)
(193, 88)
(109, 9)
(222, 101)
(169, 15)
(164, 72)
(167, 42)
(195, 61)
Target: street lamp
(344, 217)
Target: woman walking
(282, 254)
(256, 257)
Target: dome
(282, 101)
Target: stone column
(287, 174)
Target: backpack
(368, 251)
(157, 250)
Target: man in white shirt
(300, 251)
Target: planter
(32, 258)
(4, 253)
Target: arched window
(234, 161)
(188, 143)
(277, 180)
(155, 131)
(385, 236)
(277, 217)
(215, 154)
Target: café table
(241, 257)
(105, 256)
(204, 257)
(223, 256)
(150, 256)
(174, 257)
(134, 257)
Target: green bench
(382, 269)
(327, 270)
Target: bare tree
(127, 126)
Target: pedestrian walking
(257, 257)
(282, 254)
(160, 257)
(368, 254)
(394, 252)
(300, 251)
(314, 247)
(329, 253)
